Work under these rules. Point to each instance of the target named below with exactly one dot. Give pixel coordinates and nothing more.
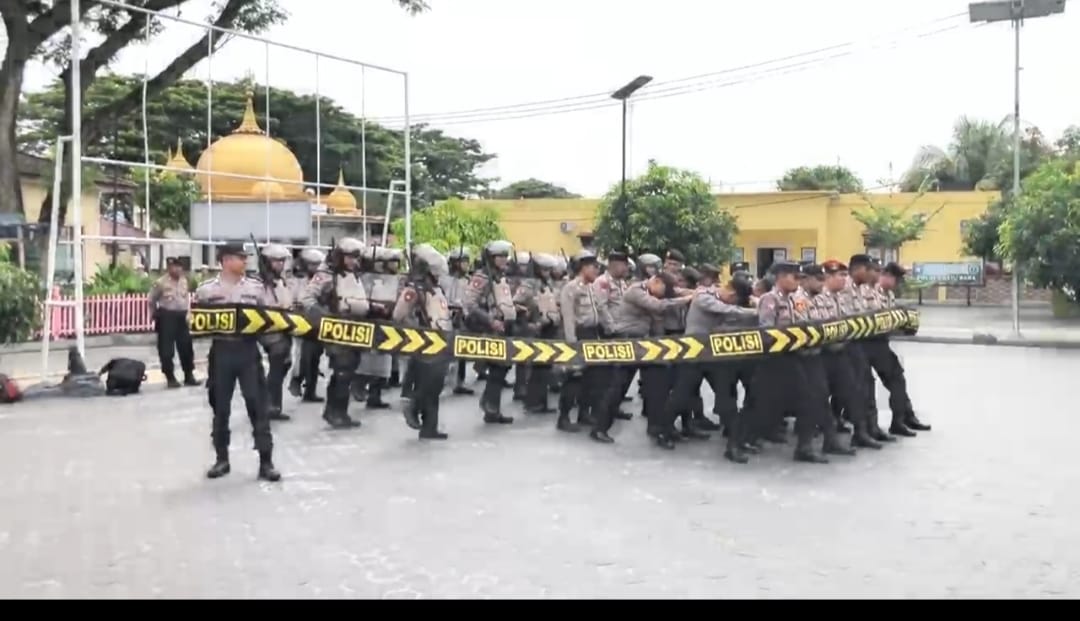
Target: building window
(737, 255)
(779, 255)
(885, 255)
(808, 255)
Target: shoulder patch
(477, 282)
(410, 295)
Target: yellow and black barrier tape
(245, 320)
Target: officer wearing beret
(780, 381)
(169, 304)
(236, 360)
(863, 271)
(887, 364)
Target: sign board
(957, 274)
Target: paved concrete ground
(106, 498)
(1038, 327)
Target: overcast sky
(898, 85)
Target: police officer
(581, 321)
(844, 386)
(780, 380)
(862, 271)
(489, 309)
(277, 346)
(453, 285)
(536, 295)
(305, 377)
(711, 309)
(811, 307)
(335, 289)
(382, 286)
(235, 360)
(640, 315)
(169, 305)
(887, 364)
(610, 287)
(421, 303)
(648, 265)
(522, 282)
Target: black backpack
(125, 376)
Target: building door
(767, 256)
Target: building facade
(794, 226)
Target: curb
(153, 375)
(92, 342)
(989, 340)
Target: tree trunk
(97, 121)
(11, 79)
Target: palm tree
(972, 161)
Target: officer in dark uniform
(422, 304)
(489, 309)
(536, 295)
(169, 304)
(235, 360)
(581, 322)
(454, 285)
(336, 289)
(278, 346)
(780, 381)
(305, 378)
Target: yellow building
(36, 179)
(772, 225)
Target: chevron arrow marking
(415, 341)
(673, 349)
(277, 318)
(815, 335)
(566, 354)
(255, 321)
(524, 352)
(301, 326)
(546, 351)
(801, 338)
(854, 325)
(693, 347)
(393, 338)
(652, 350)
(438, 343)
(781, 340)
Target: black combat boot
(806, 453)
(493, 416)
(189, 379)
(433, 434)
(374, 396)
(703, 423)
(565, 424)
(411, 410)
(585, 417)
(221, 465)
(170, 381)
(601, 436)
(296, 387)
(461, 389)
(897, 428)
(875, 430)
(733, 451)
(862, 438)
(621, 415)
(267, 471)
(912, 422)
(689, 431)
(664, 440)
(276, 414)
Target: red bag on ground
(9, 390)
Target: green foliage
(666, 208)
(982, 235)
(170, 199)
(20, 302)
(449, 225)
(533, 188)
(820, 178)
(117, 280)
(890, 228)
(443, 166)
(1042, 234)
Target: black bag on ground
(125, 376)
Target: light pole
(1015, 11)
(623, 95)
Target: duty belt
(249, 321)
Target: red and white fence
(102, 314)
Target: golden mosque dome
(248, 151)
(341, 200)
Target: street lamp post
(1015, 11)
(623, 95)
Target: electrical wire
(656, 87)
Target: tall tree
(820, 178)
(667, 208)
(39, 28)
(979, 157)
(533, 188)
(443, 166)
(451, 225)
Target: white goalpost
(225, 231)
